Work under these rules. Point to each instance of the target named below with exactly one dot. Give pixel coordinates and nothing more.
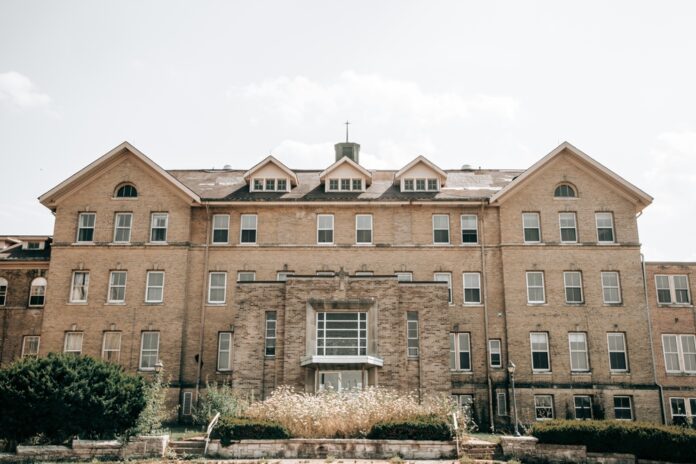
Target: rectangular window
(583, 407)
(258, 184)
(543, 407)
(221, 228)
(445, 277)
(30, 346)
(325, 228)
(154, 291)
(282, 276)
(85, 227)
(469, 228)
(605, 227)
(345, 184)
(412, 333)
(460, 351)
(618, 360)
(117, 287)
(680, 353)
(408, 185)
(539, 342)
(623, 409)
(149, 351)
(569, 232)
(472, 288)
(246, 276)
(357, 184)
(672, 289)
(440, 228)
(186, 403)
(420, 184)
(404, 276)
(341, 334)
(333, 184)
(270, 184)
(363, 228)
(530, 225)
(678, 408)
(577, 342)
(572, 281)
(122, 227)
(217, 287)
(432, 185)
(535, 288)
(80, 287)
(611, 287)
(281, 185)
(224, 362)
(494, 348)
(158, 227)
(3, 291)
(248, 228)
(111, 346)
(270, 336)
(501, 404)
(73, 343)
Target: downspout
(485, 321)
(184, 325)
(203, 302)
(650, 332)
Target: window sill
(225, 372)
(581, 373)
(620, 373)
(541, 372)
(610, 305)
(365, 245)
(76, 303)
(326, 244)
(537, 304)
(581, 303)
(216, 305)
(115, 304)
(153, 303)
(220, 244)
(533, 243)
(567, 243)
(442, 244)
(83, 243)
(473, 305)
(248, 244)
(681, 374)
(675, 305)
(156, 243)
(470, 244)
(35, 306)
(119, 243)
(455, 371)
(608, 243)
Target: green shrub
(426, 428)
(644, 440)
(231, 429)
(61, 396)
(218, 398)
(155, 412)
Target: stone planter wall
(530, 450)
(138, 447)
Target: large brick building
(421, 279)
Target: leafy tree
(62, 396)
(155, 412)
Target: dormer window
(346, 185)
(564, 191)
(126, 191)
(420, 175)
(270, 185)
(429, 184)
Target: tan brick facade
(189, 324)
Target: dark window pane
(220, 236)
(472, 295)
(568, 235)
(325, 236)
(540, 360)
(531, 235)
(249, 236)
(495, 359)
(85, 235)
(442, 236)
(605, 234)
(469, 236)
(464, 361)
(364, 236)
(617, 361)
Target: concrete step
(187, 447)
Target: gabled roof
(350, 162)
(48, 198)
(420, 159)
(274, 160)
(629, 190)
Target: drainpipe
(650, 331)
(185, 322)
(203, 302)
(485, 321)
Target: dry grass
(344, 415)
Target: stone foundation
(139, 447)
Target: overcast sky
(491, 84)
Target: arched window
(37, 294)
(564, 191)
(126, 191)
(3, 291)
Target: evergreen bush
(425, 428)
(232, 429)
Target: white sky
(491, 84)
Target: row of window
(568, 227)
(37, 291)
(123, 224)
(573, 288)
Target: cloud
(370, 98)
(18, 89)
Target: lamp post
(511, 371)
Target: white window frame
(404, 276)
(689, 407)
(148, 286)
(150, 351)
(624, 351)
(584, 351)
(610, 287)
(104, 350)
(547, 351)
(211, 288)
(38, 289)
(457, 348)
(358, 229)
(186, 403)
(113, 286)
(247, 274)
(73, 287)
(630, 407)
(4, 285)
(524, 227)
(242, 228)
(25, 339)
(332, 229)
(118, 227)
(478, 287)
(475, 229)
(530, 287)
(412, 334)
(680, 354)
(604, 215)
(215, 228)
(282, 276)
(495, 350)
(575, 407)
(537, 407)
(501, 404)
(81, 226)
(440, 228)
(79, 336)
(445, 277)
(567, 286)
(672, 288)
(270, 333)
(153, 223)
(224, 354)
(564, 215)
